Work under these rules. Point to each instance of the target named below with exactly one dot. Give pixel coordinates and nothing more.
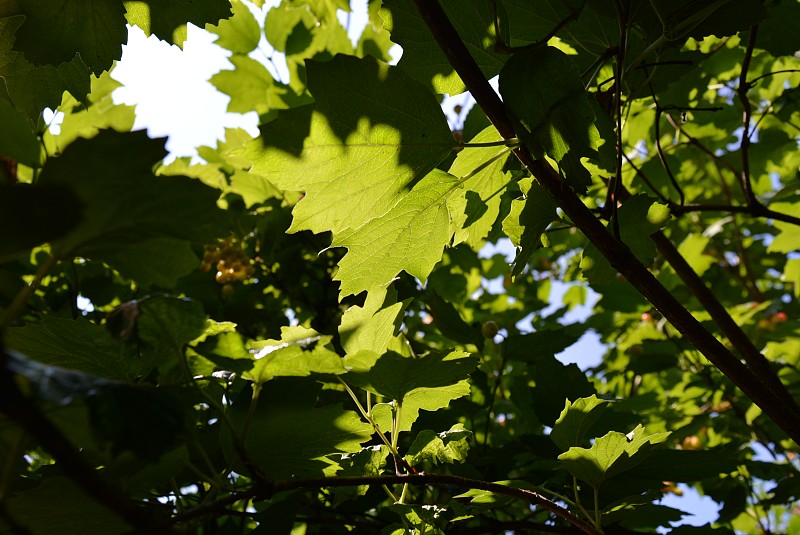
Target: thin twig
(266, 492)
(744, 146)
(647, 181)
(773, 73)
(660, 151)
(617, 253)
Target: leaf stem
(25, 293)
(512, 143)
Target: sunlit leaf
(610, 455)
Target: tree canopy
(303, 332)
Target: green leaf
(69, 510)
(112, 175)
(288, 28)
(167, 19)
(170, 320)
(692, 249)
(78, 345)
(639, 217)
(429, 383)
(240, 33)
(34, 214)
(610, 455)
(788, 239)
(55, 31)
(289, 356)
(543, 93)
(354, 162)
(395, 376)
(791, 273)
(575, 420)
(542, 345)
(288, 436)
(428, 519)
(81, 121)
(372, 326)
(476, 205)
(252, 88)
(450, 323)
(689, 466)
(410, 237)
(445, 447)
(422, 58)
(555, 383)
(34, 87)
(370, 461)
(527, 221)
(778, 33)
(17, 139)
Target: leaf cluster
(315, 330)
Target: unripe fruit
(489, 329)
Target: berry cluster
(233, 264)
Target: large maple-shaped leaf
(371, 134)
(422, 58)
(410, 237)
(31, 88)
(290, 435)
(167, 18)
(240, 33)
(55, 30)
(139, 223)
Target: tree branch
(616, 252)
(266, 492)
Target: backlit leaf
(370, 136)
(544, 94)
(610, 455)
(410, 238)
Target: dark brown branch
(266, 492)
(744, 146)
(741, 342)
(756, 211)
(616, 252)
